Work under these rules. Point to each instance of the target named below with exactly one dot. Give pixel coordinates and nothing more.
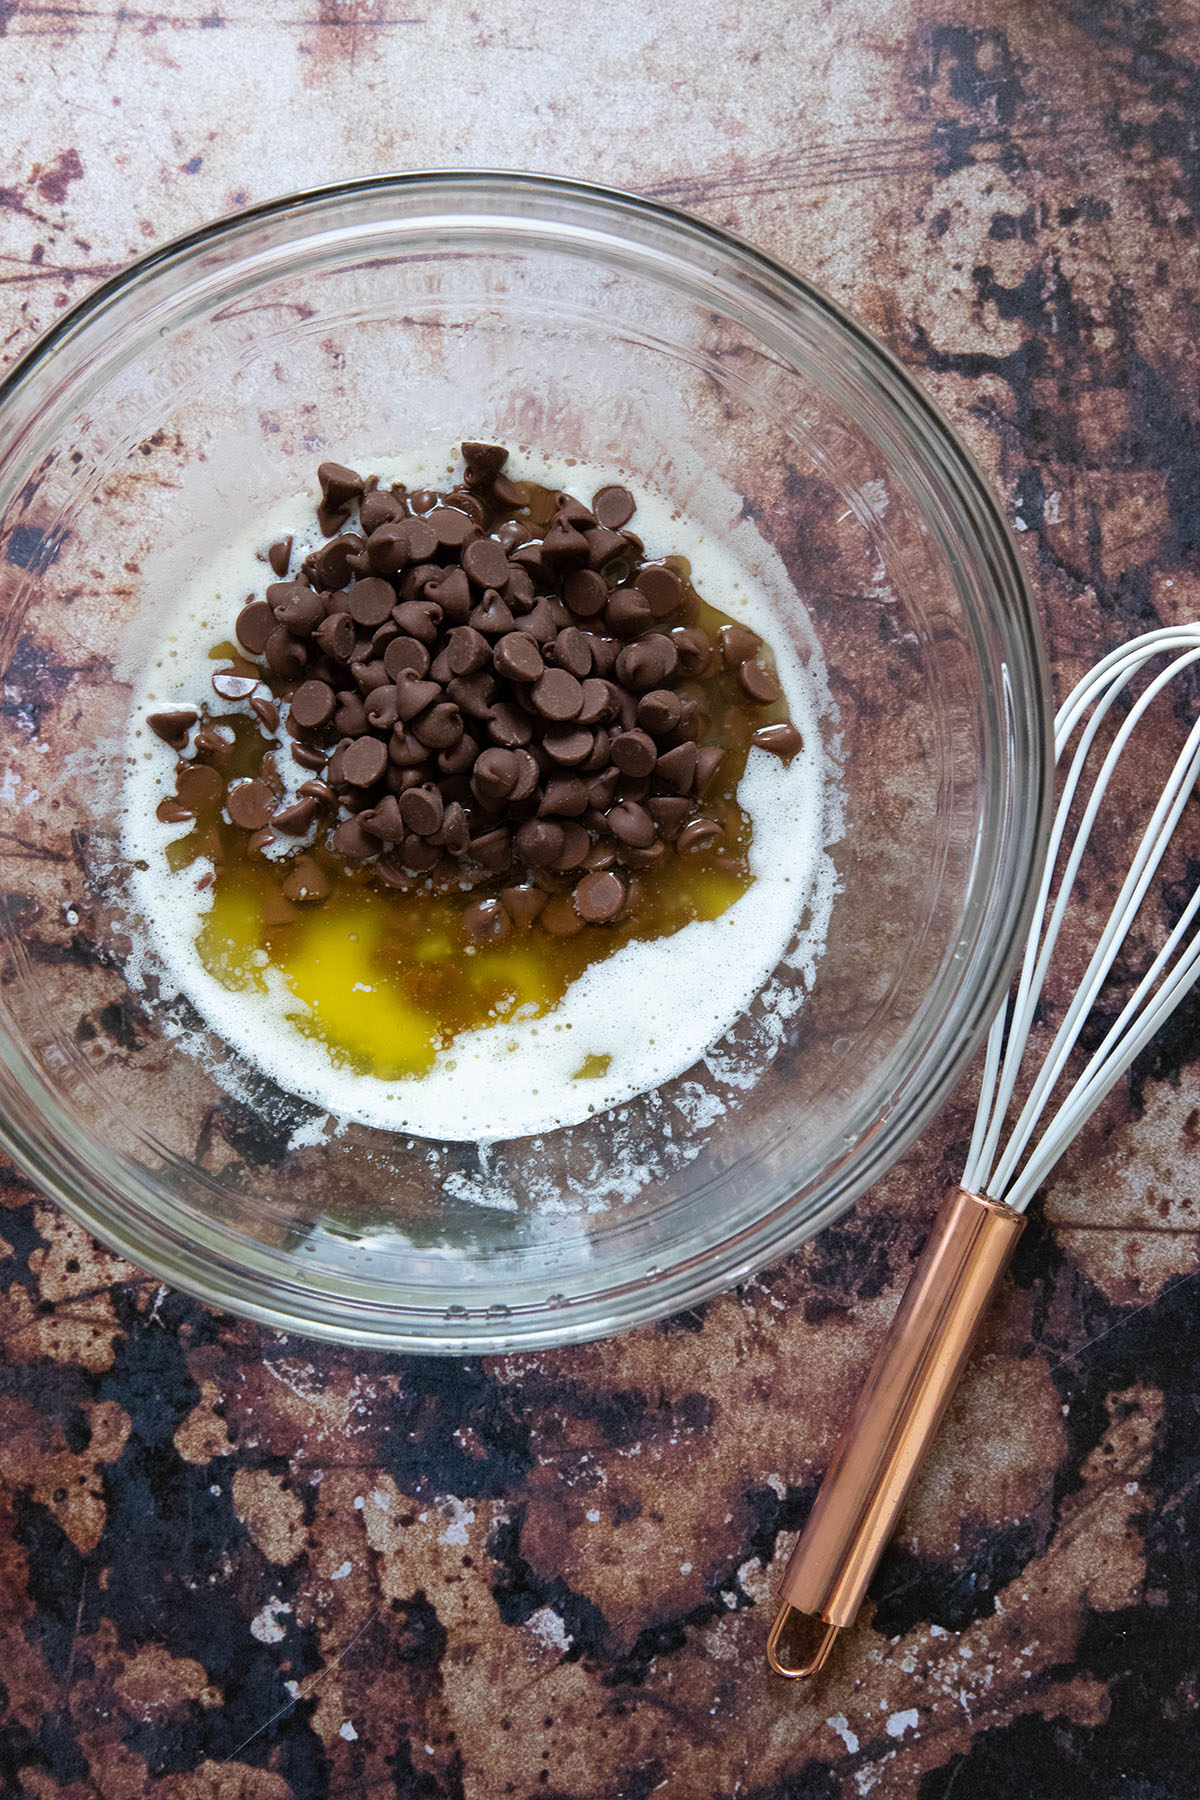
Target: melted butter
(383, 977)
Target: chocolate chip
(631, 824)
(249, 804)
(313, 704)
(389, 548)
(758, 683)
(493, 849)
(234, 686)
(380, 707)
(528, 558)
(613, 507)
(365, 762)
(572, 651)
(332, 567)
(413, 695)
(454, 834)
(507, 493)
(669, 812)
(370, 602)
(559, 917)
(494, 776)
(419, 619)
(422, 539)
(377, 510)
(422, 810)
(693, 722)
(737, 643)
(604, 546)
(782, 740)
(565, 795)
(466, 502)
(280, 555)
(254, 625)
(701, 834)
(285, 654)
(570, 511)
(540, 842)
(662, 588)
(339, 485)
(370, 674)
(586, 593)
(492, 614)
(472, 694)
(305, 881)
(265, 711)
(484, 462)
(509, 726)
(299, 608)
(627, 612)
(694, 648)
(453, 594)
(576, 844)
(335, 635)
(538, 623)
(467, 650)
(634, 752)
(599, 756)
(294, 820)
(677, 768)
(385, 821)
(319, 791)
(523, 904)
(648, 663)
(605, 651)
(173, 727)
(708, 760)
(198, 787)
(212, 746)
(383, 635)
(518, 658)
(350, 719)
(659, 711)
(440, 727)
(597, 702)
(405, 653)
(603, 788)
(351, 841)
(563, 547)
(485, 563)
(419, 855)
(558, 696)
(453, 528)
(486, 922)
(647, 856)
(568, 745)
(599, 897)
(307, 757)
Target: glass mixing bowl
(174, 405)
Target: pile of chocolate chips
(476, 703)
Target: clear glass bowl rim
(72, 1178)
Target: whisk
(975, 1233)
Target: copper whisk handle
(899, 1410)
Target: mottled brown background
(233, 1565)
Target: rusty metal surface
(233, 1565)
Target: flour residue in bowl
(635, 1020)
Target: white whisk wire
(1142, 1015)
